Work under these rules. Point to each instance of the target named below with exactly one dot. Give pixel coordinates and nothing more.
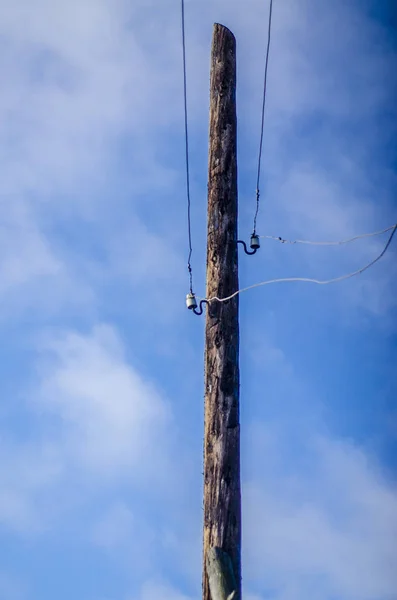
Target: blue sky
(101, 364)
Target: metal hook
(245, 247)
(191, 304)
(211, 313)
(255, 245)
(201, 307)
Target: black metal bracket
(250, 252)
(201, 307)
(200, 310)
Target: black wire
(189, 226)
(263, 113)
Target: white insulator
(255, 243)
(191, 302)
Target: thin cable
(263, 113)
(305, 279)
(189, 225)
(338, 243)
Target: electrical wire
(338, 243)
(263, 114)
(308, 280)
(189, 225)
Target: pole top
(225, 29)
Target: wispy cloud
(326, 530)
(26, 472)
(110, 413)
(103, 450)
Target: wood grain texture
(222, 494)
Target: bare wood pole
(222, 494)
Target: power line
(338, 243)
(189, 225)
(263, 114)
(308, 280)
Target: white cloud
(25, 472)
(327, 530)
(89, 84)
(112, 418)
(24, 253)
(98, 422)
(70, 57)
(89, 110)
(68, 149)
(90, 81)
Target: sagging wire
(263, 115)
(337, 243)
(307, 279)
(254, 235)
(189, 225)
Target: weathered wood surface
(220, 575)
(222, 495)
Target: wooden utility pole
(222, 494)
